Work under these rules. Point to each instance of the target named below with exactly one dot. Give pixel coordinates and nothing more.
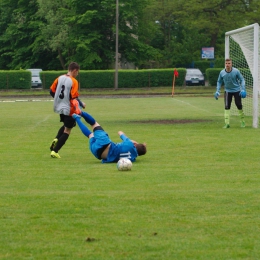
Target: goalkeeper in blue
(234, 86)
(102, 147)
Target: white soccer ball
(124, 164)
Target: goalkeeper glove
(242, 93)
(216, 95)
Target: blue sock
(88, 118)
(82, 127)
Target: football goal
(242, 46)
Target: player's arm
(242, 81)
(81, 103)
(124, 137)
(74, 89)
(219, 82)
(74, 93)
(242, 84)
(120, 133)
(53, 87)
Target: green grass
(179, 90)
(195, 195)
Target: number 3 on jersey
(61, 96)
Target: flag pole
(173, 83)
(116, 65)
(175, 74)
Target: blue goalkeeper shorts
(98, 143)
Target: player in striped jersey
(102, 147)
(64, 90)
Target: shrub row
(203, 65)
(21, 79)
(126, 78)
(15, 79)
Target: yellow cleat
(55, 155)
(226, 126)
(53, 144)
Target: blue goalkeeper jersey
(125, 149)
(233, 81)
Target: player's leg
(69, 123)
(88, 118)
(227, 102)
(238, 102)
(82, 126)
(55, 140)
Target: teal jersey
(233, 81)
(125, 149)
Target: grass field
(194, 90)
(195, 195)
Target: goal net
(242, 46)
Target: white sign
(207, 53)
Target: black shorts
(228, 99)
(68, 121)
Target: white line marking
(26, 100)
(192, 105)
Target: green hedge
(203, 65)
(21, 79)
(212, 76)
(219, 63)
(96, 79)
(47, 77)
(126, 78)
(15, 79)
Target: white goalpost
(242, 46)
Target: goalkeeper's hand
(242, 93)
(216, 95)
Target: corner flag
(175, 75)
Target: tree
(85, 31)
(187, 25)
(152, 33)
(20, 27)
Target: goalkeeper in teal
(102, 147)
(234, 85)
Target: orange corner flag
(175, 74)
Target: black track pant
(228, 99)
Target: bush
(203, 65)
(126, 78)
(219, 63)
(212, 76)
(47, 77)
(21, 79)
(15, 79)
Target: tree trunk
(213, 39)
(62, 62)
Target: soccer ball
(124, 164)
